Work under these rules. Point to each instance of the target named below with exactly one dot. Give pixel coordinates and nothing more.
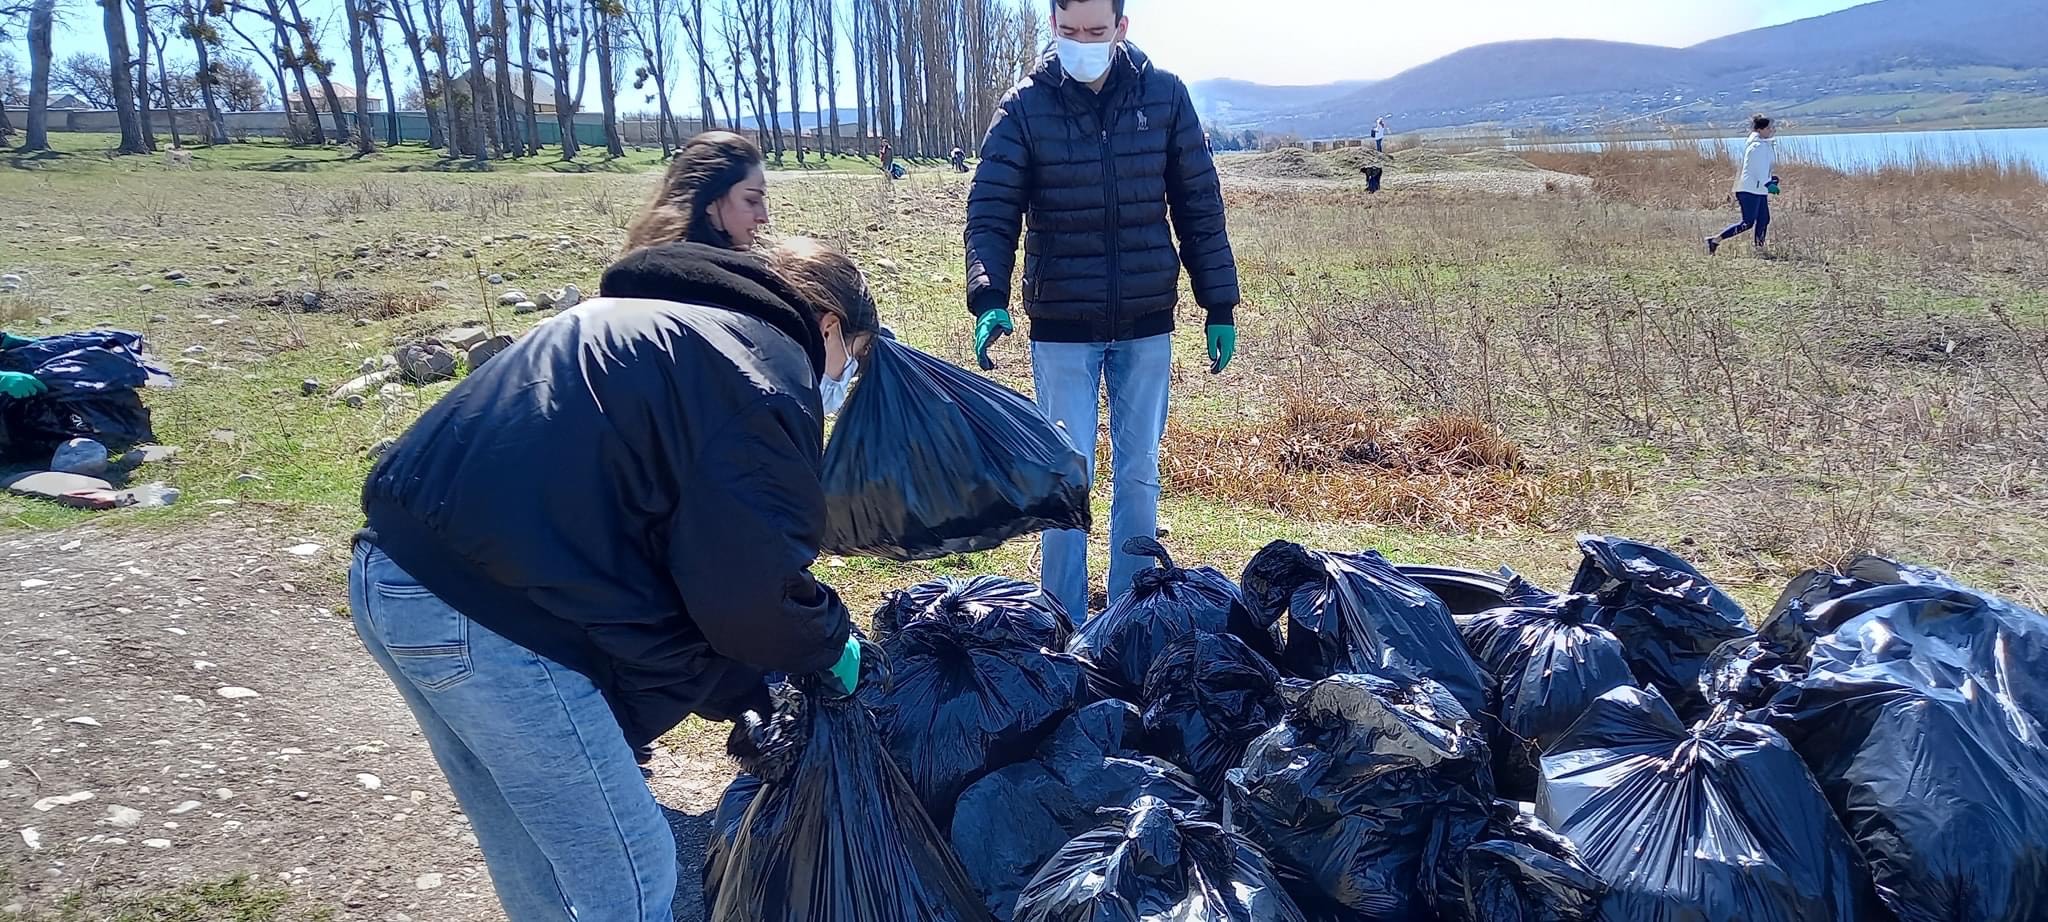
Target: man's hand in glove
(17, 385)
(1222, 346)
(844, 676)
(993, 325)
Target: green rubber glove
(9, 341)
(844, 676)
(1222, 346)
(992, 326)
(17, 385)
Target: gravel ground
(191, 704)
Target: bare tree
(401, 12)
(171, 99)
(289, 58)
(796, 17)
(483, 113)
(653, 31)
(145, 37)
(373, 23)
(358, 20)
(827, 33)
(759, 16)
(510, 127)
(435, 16)
(694, 30)
(734, 33)
(882, 44)
(41, 23)
(197, 28)
(119, 72)
(606, 25)
(554, 18)
(526, 105)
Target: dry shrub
(1330, 463)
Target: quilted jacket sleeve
(1194, 194)
(995, 208)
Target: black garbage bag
(1165, 603)
(92, 378)
(1207, 697)
(1153, 863)
(1525, 872)
(1717, 823)
(1367, 795)
(1669, 617)
(832, 833)
(1355, 613)
(977, 682)
(1009, 823)
(1550, 663)
(1920, 714)
(928, 460)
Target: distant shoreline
(1792, 128)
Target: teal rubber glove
(1222, 346)
(9, 341)
(844, 676)
(993, 325)
(17, 385)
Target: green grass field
(1864, 390)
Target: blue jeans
(568, 827)
(1069, 378)
(1756, 213)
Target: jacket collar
(693, 273)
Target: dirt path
(203, 688)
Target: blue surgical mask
(1085, 61)
(834, 390)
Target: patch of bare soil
(190, 704)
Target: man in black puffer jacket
(1105, 155)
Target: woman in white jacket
(1753, 187)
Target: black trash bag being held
(1668, 616)
(1717, 823)
(1009, 823)
(1154, 863)
(833, 833)
(1551, 663)
(977, 684)
(1207, 697)
(928, 460)
(1355, 613)
(1525, 872)
(1164, 604)
(1921, 715)
(1367, 795)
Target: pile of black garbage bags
(92, 381)
(1335, 737)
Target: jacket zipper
(1114, 228)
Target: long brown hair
(703, 171)
(829, 281)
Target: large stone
(463, 337)
(525, 307)
(425, 362)
(511, 297)
(80, 456)
(483, 352)
(569, 297)
(545, 299)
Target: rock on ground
(147, 626)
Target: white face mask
(834, 390)
(1085, 61)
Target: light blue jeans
(1069, 378)
(568, 827)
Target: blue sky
(1290, 41)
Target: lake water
(1868, 150)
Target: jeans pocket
(427, 638)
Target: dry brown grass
(1322, 461)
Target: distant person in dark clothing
(1754, 185)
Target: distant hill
(1226, 100)
(1894, 61)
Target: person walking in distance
(1379, 135)
(1754, 186)
(1098, 160)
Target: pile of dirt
(1285, 163)
(1356, 159)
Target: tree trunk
(202, 39)
(731, 31)
(526, 104)
(827, 19)
(437, 36)
(119, 72)
(144, 37)
(509, 125)
(884, 70)
(857, 37)
(289, 59)
(482, 112)
(558, 53)
(583, 42)
(36, 135)
(824, 144)
(366, 142)
(695, 27)
(163, 82)
(911, 134)
(607, 80)
(376, 30)
(309, 50)
(401, 13)
(796, 80)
